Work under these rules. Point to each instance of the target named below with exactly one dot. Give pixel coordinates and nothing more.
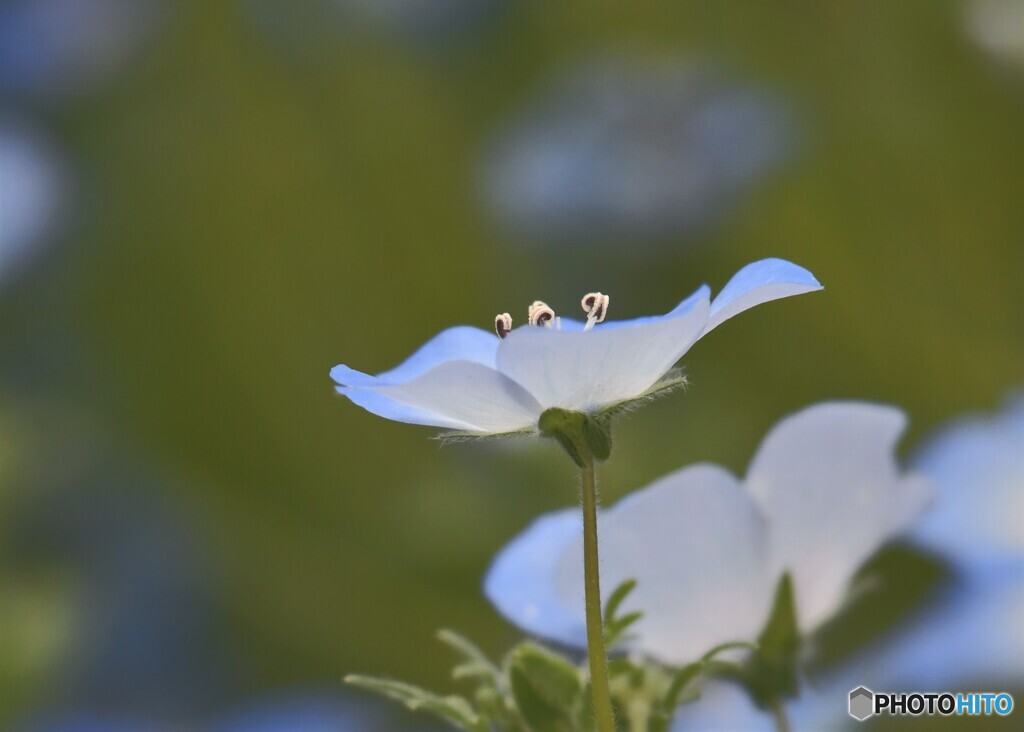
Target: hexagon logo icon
(862, 703)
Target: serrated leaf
(455, 710)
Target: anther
(595, 305)
(540, 314)
(502, 324)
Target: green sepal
(455, 710)
(580, 435)
(597, 431)
(771, 675)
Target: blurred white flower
(31, 188)
(822, 494)
(618, 150)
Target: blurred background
(205, 206)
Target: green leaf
(615, 629)
(611, 607)
(475, 664)
(546, 688)
(722, 648)
(455, 710)
(557, 680)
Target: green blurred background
(250, 214)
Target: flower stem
(779, 715)
(599, 690)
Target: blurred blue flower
(973, 631)
(707, 550)
(49, 48)
(31, 192)
(977, 463)
(971, 634)
(469, 380)
(620, 151)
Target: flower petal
(978, 468)
(470, 394)
(384, 406)
(613, 362)
(827, 480)
(462, 343)
(695, 542)
(759, 282)
(519, 582)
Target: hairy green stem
(602, 698)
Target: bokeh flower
(31, 191)
(53, 48)
(973, 631)
(626, 150)
(822, 494)
(472, 381)
(970, 634)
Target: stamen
(595, 305)
(540, 314)
(502, 324)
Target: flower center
(540, 314)
(595, 305)
(502, 324)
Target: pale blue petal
(461, 343)
(614, 362)
(383, 406)
(519, 582)
(827, 480)
(973, 637)
(696, 545)
(468, 393)
(977, 465)
(759, 282)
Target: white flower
(470, 380)
(822, 494)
